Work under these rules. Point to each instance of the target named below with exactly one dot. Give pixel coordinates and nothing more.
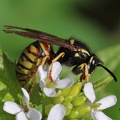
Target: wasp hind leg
(33, 84)
(34, 78)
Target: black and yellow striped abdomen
(28, 62)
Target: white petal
(42, 73)
(64, 83)
(57, 112)
(107, 102)
(26, 97)
(56, 69)
(97, 115)
(12, 107)
(21, 116)
(50, 92)
(34, 114)
(42, 84)
(89, 91)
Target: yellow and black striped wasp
(71, 53)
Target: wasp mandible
(72, 52)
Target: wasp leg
(34, 79)
(56, 58)
(23, 83)
(53, 61)
(82, 77)
(85, 74)
(33, 84)
(44, 60)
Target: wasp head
(96, 62)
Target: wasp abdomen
(28, 62)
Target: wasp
(72, 52)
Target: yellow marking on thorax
(84, 51)
(77, 55)
(72, 41)
(81, 66)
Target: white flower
(49, 80)
(102, 104)
(57, 112)
(22, 113)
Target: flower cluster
(63, 99)
(24, 112)
(100, 105)
(49, 81)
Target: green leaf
(9, 86)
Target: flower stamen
(96, 105)
(25, 107)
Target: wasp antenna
(108, 72)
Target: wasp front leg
(87, 75)
(85, 72)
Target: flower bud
(68, 98)
(77, 101)
(70, 119)
(87, 117)
(65, 91)
(82, 110)
(58, 93)
(68, 106)
(58, 99)
(73, 114)
(75, 89)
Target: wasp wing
(40, 36)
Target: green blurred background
(95, 22)
(92, 21)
